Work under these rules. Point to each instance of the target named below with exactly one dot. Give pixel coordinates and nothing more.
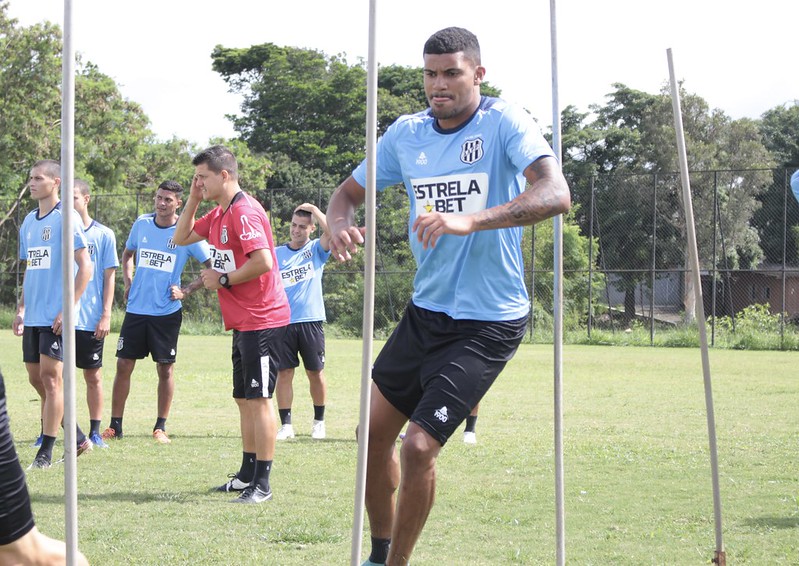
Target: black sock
(471, 421)
(47, 447)
(160, 422)
(94, 426)
(285, 416)
(247, 469)
(261, 477)
(116, 424)
(319, 412)
(80, 436)
(379, 550)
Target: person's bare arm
(345, 236)
(184, 229)
(321, 221)
(258, 262)
(104, 324)
(127, 270)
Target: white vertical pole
(700, 307)
(368, 285)
(68, 272)
(557, 311)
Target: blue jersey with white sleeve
(40, 245)
(159, 264)
(301, 272)
(102, 246)
(475, 166)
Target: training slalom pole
(368, 286)
(720, 557)
(557, 312)
(68, 274)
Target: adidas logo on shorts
(441, 414)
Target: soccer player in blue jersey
(302, 264)
(94, 318)
(154, 312)
(39, 317)
(465, 163)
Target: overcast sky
(740, 57)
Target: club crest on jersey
(170, 244)
(47, 233)
(472, 151)
(90, 249)
(223, 237)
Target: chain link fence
(625, 256)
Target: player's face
(211, 184)
(451, 84)
(301, 229)
(80, 201)
(41, 184)
(166, 204)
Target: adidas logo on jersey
(441, 414)
(422, 159)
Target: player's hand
(429, 227)
(18, 325)
(196, 188)
(58, 325)
(307, 207)
(103, 327)
(176, 293)
(210, 279)
(345, 242)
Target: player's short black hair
(82, 186)
(50, 166)
(453, 40)
(172, 186)
(218, 158)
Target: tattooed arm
(547, 196)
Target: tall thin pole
(368, 285)
(557, 311)
(68, 272)
(719, 558)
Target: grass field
(637, 472)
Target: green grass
(637, 472)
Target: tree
(633, 134)
(779, 130)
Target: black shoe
(253, 494)
(41, 462)
(233, 484)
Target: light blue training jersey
(301, 272)
(159, 264)
(40, 247)
(102, 244)
(470, 168)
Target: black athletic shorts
(143, 334)
(255, 361)
(16, 515)
(307, 339)
(88, 350)
(435, 369)
(41, 341)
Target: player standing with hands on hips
(465, 163)
(253, 303)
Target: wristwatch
(224, 281)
